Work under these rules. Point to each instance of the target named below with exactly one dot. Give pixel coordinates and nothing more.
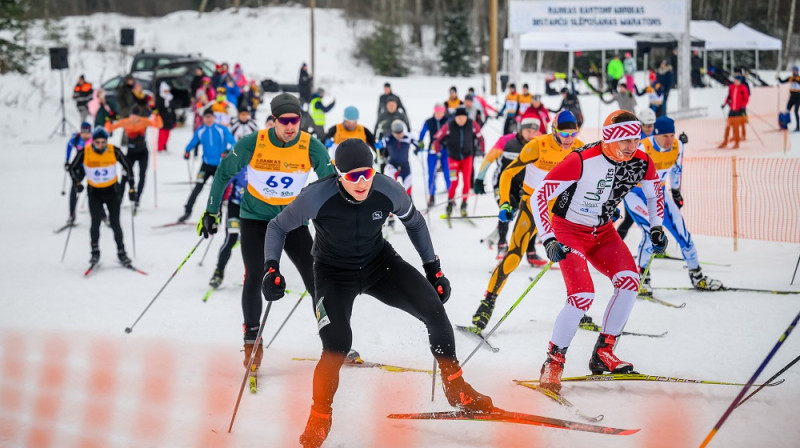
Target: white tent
(570, 41)
(764, 42)
(717, 37)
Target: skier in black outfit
(100, 168)
(351, 257)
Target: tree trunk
(787, 47)
(416, 24)
(773, 19)
(728, 13)
(236, 5)
(203, 5)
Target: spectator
(238, 76)
(232, 91)
(106, 109)
(387, 93)
(629, 66)
(304, 85)
(570, 102)
(666, 78)
(197, 80)
(737, 99)
(794, 94)
(615, 71)
(697, 80)
(82, 94)
(317, 111)
(125, 96)
(167, 112)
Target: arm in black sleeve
(329, 135)
(126, 166)
(75, 168)
(410, 217)
(370, 138)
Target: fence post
(735, 192)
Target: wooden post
(493, 46)
(313, 67)
(735, 194)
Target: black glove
(78, 188)
(66, 166)
(132, 194)
(555, 250)
(478, 187)
(208, 225)
(659, 239)
(273, 285)
(676, 196)
(683, 138)
(186, 155)
(440, 283)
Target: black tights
(107, 196)
(794, 101)
(392, 281)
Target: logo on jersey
(601, 186)
(377, 215)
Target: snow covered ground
(69, 376)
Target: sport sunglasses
(355, 176)
(566, 134)
(287, 120)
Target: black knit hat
(351, 154)
(285, 103)
(461, 110)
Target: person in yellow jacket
(349, 128)
(317, 111)
(98, 163)
(537, 158)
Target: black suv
(178, 74)
(144, 63)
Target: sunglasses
(566, 134)
(288, 120)
(355, 176)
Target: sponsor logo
(376, 215)
(602, 184)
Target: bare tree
(787, 47)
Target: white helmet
(647, 116)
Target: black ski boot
(216, 279)
(700, 281)
(123, 258)
(95, 255)
(464, 208)
(449, 210)
(484, 312)
(184, 217)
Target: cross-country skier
(77, 141)
(587, 186)
(243, 125)
(216, 140)
(98, 162)
(351, 257)
(135, 127)
(647, 118)
(394, 150)
(667, 153)
(504, 152)
(348, 128)
(435, 158)
(537, 157)
(462, 137)
(453, 102)
(510, 107)
(278, 161)
(794, 94)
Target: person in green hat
(279, 162)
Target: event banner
(624, 16)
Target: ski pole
(473, 217)
(66, 243)
(645, 272)
(64, 184)
(133, 231)
(287, 319)
(189, 172)
(155, 176)
(250, 364)
(524, 293)
(769, 380)
(795, 269)
(750, 382)
(433, 380)
(130, 329)
(207, 247)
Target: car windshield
(172, 71)
(112, 83)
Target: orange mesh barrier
(754, 198)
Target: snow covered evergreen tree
(383, 50)
(15, 54)
(456, 51)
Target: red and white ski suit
(587, 188)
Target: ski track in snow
(173, 381)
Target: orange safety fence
(742, 197)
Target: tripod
(64, 122)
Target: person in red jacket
(737, 99)
(462, 138)
(537, 111)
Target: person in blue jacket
(216, 140)
(77, 141)
(432, 126)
